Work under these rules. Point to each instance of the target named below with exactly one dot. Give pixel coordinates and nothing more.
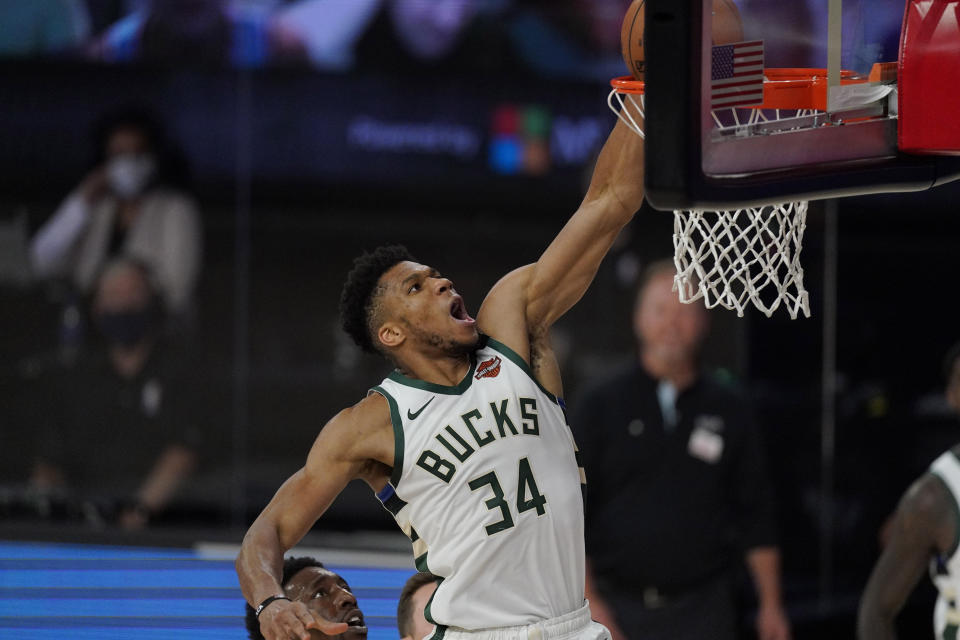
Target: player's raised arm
(544, 291)
(356, 443)
(562, 274)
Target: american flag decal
(736, 74)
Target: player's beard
(445, 344)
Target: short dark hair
(358, 298)
(405, 604)
(172, 167)
(291, 567)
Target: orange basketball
(727, 27)
(631, 39)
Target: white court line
(326, 555)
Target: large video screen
(552, 38)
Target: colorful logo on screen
(520, 140)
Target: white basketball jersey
(487, 486)
(945, 568)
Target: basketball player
(925, 533)
(466, 441)
(307, 581)
(414, 596)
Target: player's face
(329, 596)
(422, 628)
(668, 329)
(428, 308)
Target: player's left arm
(922, 526)
(526, 302)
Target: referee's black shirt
(670, 507)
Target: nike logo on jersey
(413, 415)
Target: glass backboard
(763, 101)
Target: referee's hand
(286, 620)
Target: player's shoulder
(359, 432)
(505, 295)
(927, 499)
(372, 409)
(366, 418)
(502, 314)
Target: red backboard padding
(929, 78)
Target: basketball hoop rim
(783, 88)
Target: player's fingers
(292, 627)
(326, 626)
(305, 617)
(295, 629)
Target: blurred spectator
(416, 593)
(677, 487)
(198, 32)
(569, 38)
(322, 592)
(390, 36)
(42, 27)
(124, 207)
(795, 33)
(121, 428)
(922, 534)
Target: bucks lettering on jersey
(945, 568)
(487, 486)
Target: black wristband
(263, 605)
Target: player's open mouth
(355, 621)
(459, 311)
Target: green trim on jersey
(397, 436)
(520, 362)
(956, 515)
(394, 504)
(441, 629)
(439, 632)
(420, 562)
(456, 390)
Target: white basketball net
(735, 258)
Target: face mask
(126, 328)
(129, 173)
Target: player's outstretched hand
(286, 620)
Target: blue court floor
(90, 592)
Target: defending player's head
(328, 595)
(393, 305)
(668, 330)
(414, 596)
